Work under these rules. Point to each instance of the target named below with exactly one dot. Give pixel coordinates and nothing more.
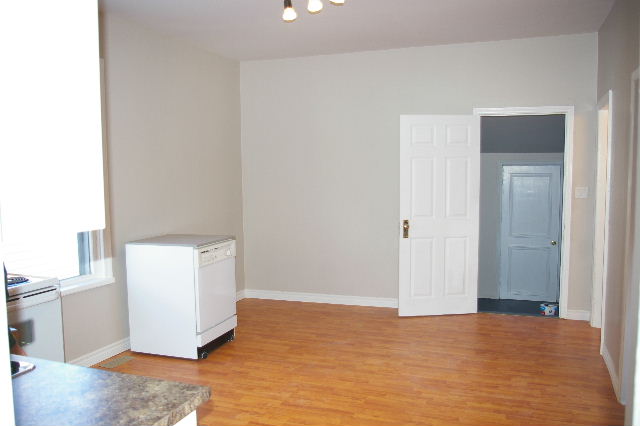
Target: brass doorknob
(553, 243)
(405, 228)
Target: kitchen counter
(62, 394)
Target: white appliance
(35, 311)
(182, 293)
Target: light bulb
(337, 2)
(314, 6)
(289, 14)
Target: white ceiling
(253, 29)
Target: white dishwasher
(182, 293)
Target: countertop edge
(181, 412)
(100, 397)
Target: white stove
(34, 309)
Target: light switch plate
(582, 192)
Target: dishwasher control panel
(216, 253)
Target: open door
(439, 214)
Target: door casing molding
(601, 248)
(567, 187)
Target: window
(64, 257)
(51, 144)
(50, 257)
(80, 261)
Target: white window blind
(48, 257)
(51, 175)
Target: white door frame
(568, 112)
(602, 194)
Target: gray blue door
(531, 232)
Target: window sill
(79, 284)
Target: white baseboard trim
(615, 379)
(334, 299)
(573, 314)
(101, 354)
(240, 294)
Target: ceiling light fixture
(289, 14)
(314, 6)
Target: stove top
(15, 280)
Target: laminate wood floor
(315, 364)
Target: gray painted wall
(524, 133)
(632, 409)
(320, 152)
(174, 161)
(617, 59)
(490, 214)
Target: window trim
(83, 283)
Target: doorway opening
(440, 211)
(521, 213)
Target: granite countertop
(63, 394)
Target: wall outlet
(582, 192)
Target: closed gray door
(530, 232)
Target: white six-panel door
(439, 197)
